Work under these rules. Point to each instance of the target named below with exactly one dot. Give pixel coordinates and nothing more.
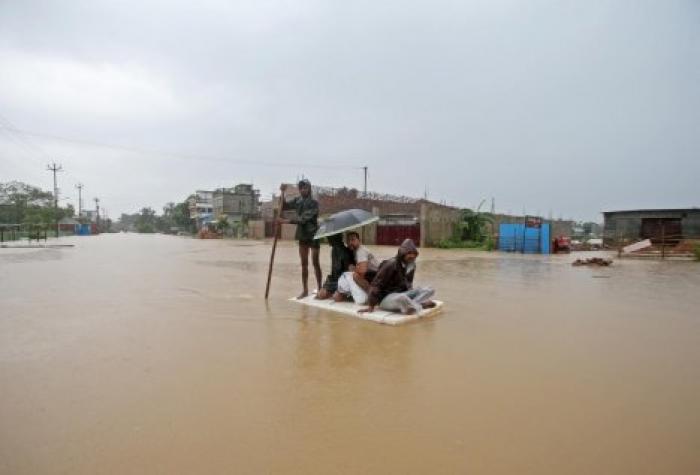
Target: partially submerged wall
(256, 229)
(437, 222)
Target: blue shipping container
(518, 238)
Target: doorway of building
(659, 230)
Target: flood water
(158, 354)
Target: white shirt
(362, 254)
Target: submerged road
(157, 354)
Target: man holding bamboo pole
(306, 220)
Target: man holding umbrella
(333, 228)
(307, 224)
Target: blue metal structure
(523, 238)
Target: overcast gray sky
(572, 107)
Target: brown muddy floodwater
(157, 354)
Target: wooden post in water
(277, 214)
(663, 241)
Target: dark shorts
(312, 243)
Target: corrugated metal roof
(657, 210)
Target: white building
(201, 207)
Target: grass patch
(486, 245)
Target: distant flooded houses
(400, 217)
(201, 207)
(236, 205)
(238, 211)
(658, 225)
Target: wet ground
(158, 354)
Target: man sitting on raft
(341, 260)
(392, 288)
(356, 284)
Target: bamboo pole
(274, 244)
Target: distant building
(201, 207)
(426, 222)
(89, 214)
(237, 204)
(68, 224)
(558, 227)
(655, 224)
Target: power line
(7, 125)
(174, 154)
(21, 145)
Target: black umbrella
(345, 221)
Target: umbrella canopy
(345, 221)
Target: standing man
(306, 220)
(392, 288)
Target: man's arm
(378, 283)
(291, 204)
(359, 275)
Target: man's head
(335, 240)
(408, 252)
(304, 187)
(353, 240)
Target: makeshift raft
(350, 309)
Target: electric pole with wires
(97, 213)
(55, 169)
(365, 189)
(80, 186)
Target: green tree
(472, 224)
(181, 217)
(17, 197)
(222, 224)
(147, 221)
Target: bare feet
(410, 311)
(338, 297)
(302, 295)
(322, 294)
(428, 304)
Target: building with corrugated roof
(669, 225)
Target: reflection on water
(157, 354)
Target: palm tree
(472, 223)
(222, 224)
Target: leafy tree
(127, 222)
(473, 223)
(222, 224)
(176, 215)
(17, 197)
(147, 221)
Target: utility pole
(493, 205)
(365, 189)
(97, 210)
(55, 169)
(79, 186)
